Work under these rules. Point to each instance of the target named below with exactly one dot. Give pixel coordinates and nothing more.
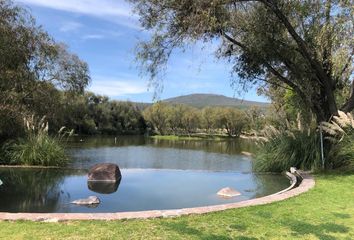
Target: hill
(204, 100)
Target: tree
(232, 120)
(208, 116)
(157, 115)
(303, 46)
(190, 119)
(32, 66)
(175, 117)
(256, 117)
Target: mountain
(204, 100)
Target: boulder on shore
(105, 172)
(228, 193)
(92, 200)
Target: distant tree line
(177, 119)
(95, 114)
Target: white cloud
(115, 87)
(70, 26)
(115, 11)
(102, 34)
(93, 36)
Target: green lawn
(325, 212)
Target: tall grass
(38, 147)
(301, 147)
(292, 148)
(340, 131)
(40, 150)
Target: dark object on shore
(103, 187)
(108, 172)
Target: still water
(156, 174)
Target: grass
(37, 150)
(285, 149)
(325, 212)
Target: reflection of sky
(104, 33)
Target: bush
(41, 150)
(301, 148)
(285, 149)
(342, 154)
(37, 148)
(340, 132)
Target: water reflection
(103, 187)
(52, 190)
(31, 190)
(226, 146)
(152, 177)
(140, 152)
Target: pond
(156, 174)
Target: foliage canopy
(304, 46)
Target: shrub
(301, 148)
(340, 132)
(37, 148)
(292, 148)
(40, 150)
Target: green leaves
(305, 46)
(32, 68)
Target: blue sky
(104, 33)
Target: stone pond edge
(301, 182)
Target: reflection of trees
(104, 141)
(267, 184)
(157, 153)
(31, 190)
(228, 146)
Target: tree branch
(270, 68)
(305, 51)
(272, 83)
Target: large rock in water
(228, 193)
(105, 172)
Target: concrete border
(306, 183)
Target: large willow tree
(304, 46)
